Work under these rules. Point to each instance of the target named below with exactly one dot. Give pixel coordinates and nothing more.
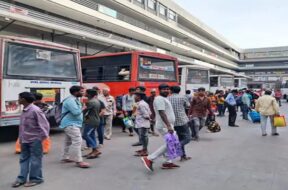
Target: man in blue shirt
(232, 108)
(72, 120)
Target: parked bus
(35, 66)
(240, 83)
(221, 82)
(120, 71)
(192, 77)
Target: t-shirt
(162, 103)
(91, 113)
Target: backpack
(54, 115)
(119, 102)
(239, 101)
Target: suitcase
(255, 116)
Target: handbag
(279, 121)
(128, 122)
(174, 149)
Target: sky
(245, 23)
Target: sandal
(17, 184)
(93, 155)
(82, 165)
(31, 184)
(67, 160)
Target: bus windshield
(196, 76)
(156, 69)
(29, 62)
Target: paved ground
(234, 159)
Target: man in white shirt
(165, 119)
(110, 112)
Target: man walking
(33, 129)
(142, 122)
(91, 122)
(110, 112)
(268, 108)
(246, 104)
(198, 112)
(72, 120)
(152, 117)
(128, 102)
(232, 108)
(165, 119)
(180, 104)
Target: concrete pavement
(234, 159)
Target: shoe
(155, 134)
(137, 144)
(124, 131)
(169, 166)
(107, 138)
(264, 135)
(275, 134)
(17, 184)
(233, 125)
(185, 158)
(131, 135)
(137, 151)
(142, 153)
(147, 163)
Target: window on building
(152, 4)
(172, 15)
(162, 10)
(140, 1)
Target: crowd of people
(168, 113)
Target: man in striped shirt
(180, 104)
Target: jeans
(31, 162)
(198, 123)
(100, 131)
(162, 149)
(143, 136)
(221, 109)
(264, 120)
(232, 115)
(73, 140)
(184, 136)
(245, 110)
(89, 136)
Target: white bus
(193, 77)
(221, 82)
(35, 66)
(240, 83)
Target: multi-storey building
(97, 26)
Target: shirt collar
(28, 107)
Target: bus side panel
(11, 88)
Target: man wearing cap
(165, 119)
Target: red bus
(120, 71)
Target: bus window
(109, 68)
(180, 74)
(214, 81)
(156, 69)
(30, 62)
(197, 76)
